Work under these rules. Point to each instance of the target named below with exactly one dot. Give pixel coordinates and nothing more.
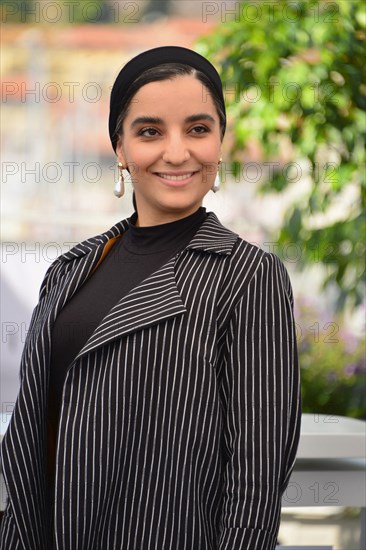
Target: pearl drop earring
(217, 182)
(119, 186)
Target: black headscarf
(152, 58)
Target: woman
(160, 369)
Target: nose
(176, 151)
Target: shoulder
(66, 261)
(253, 259)
(249, 267)
(243, 260)
(89, 245)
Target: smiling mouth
(173, 177)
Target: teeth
(176, 178)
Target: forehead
(181, 93)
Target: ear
(119, 152)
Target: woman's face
(171, 145)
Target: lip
(176, 182)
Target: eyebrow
(157, 120)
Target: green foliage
(294, 84)
(332, 361)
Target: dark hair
(168, 71)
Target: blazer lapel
(155, 299)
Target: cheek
(209, 157)
(210, 149)
(140, 155)
(139, 159)
(135, 161)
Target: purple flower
(350, 369)
(360, 368)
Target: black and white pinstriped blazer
(180, 416)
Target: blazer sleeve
(260, 392)
(49, 280)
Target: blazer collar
(156, 298)
(211, 237)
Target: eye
(148, 132)
(200, 129)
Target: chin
(175, 205)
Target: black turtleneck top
(139, 252)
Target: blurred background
(293, 167)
